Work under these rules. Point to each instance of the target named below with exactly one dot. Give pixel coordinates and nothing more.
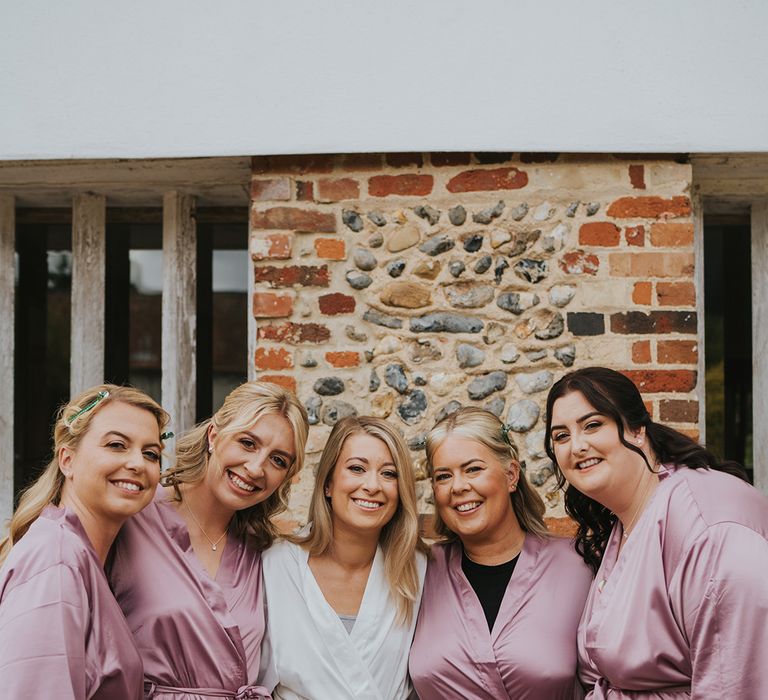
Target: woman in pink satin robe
(187, 572)
(62, 634)
(679, 606)
(502, 598)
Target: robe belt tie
(246, 692)
(603, 690)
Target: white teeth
(127, 485)
(240, 483)
(367, 504)
(467, 506)
(588, 463)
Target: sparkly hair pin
(505, 428)
(99, 398)
(167, 435)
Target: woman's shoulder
(282, 552)
(559, 553)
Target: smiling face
(590, 454)
(363, 487)
(472, 489)
(247, 467)
(113, 471)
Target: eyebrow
(462, 465)
(256, 438)
(128, 439)
(363, 459)
(578, 420)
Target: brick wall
(403, 285)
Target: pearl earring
(210, 447)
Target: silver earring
(210, 447)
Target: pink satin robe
(531, 652)
(62, 634)
(194, 633)
(682, 610)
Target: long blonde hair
(484, 427)
(240, 410)
(399, 539)
(72, 422)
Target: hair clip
(167, 435)
(505, 434)
(100, 396)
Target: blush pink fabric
(62, 634)
(198, 637)
(682, 610)
(531, 652)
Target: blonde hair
(72, 422)
(241, 409)
(484, 427)
(399, 539)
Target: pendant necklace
(214, 545)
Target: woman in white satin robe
(342, 597)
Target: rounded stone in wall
(406, 295)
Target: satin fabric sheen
(531, 652)
(682, 610)
(62, 634)
(198, 635)
(312, 655)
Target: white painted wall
(102, 78)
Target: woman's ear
(64, 459)
(212, 433)
(513, 475)
(639, 436)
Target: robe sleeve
(43, 625)
(723, 600)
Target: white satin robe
(310, 655)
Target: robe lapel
(342, 649)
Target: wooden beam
(179, 310)
(759, 343)
(7, 289)
(88, 265)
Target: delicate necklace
(638, 510)
(213, 544)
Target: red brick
(578, 262)
(305, 191)
(671, 235)
(281, 380)
(648, 407)
(650, 208)
(692, 433)
(336, 303)
(676, 293)
(641, 293)
(269, 305)
(336, 190)
(343, 359)
(273, 358)
(561, 527)
(637, 176)
(405, 185)
(641, 352)
(446, 159)
(276, 189)
(294, 333)
(330, 248)
(638, 264)
(599, 233)
(314, 163)
(654, 381)
(271, 246)
(293, 219)
(360, 161)
(486, 180)
(305, 275)
(635, 235)
(644, 323)
(678, 411)
(677, 352)
(404, 160)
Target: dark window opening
(728, 339)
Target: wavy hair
(485, 428)
(72, 422)
(616, 397)
(399, 539)
(240, 410)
